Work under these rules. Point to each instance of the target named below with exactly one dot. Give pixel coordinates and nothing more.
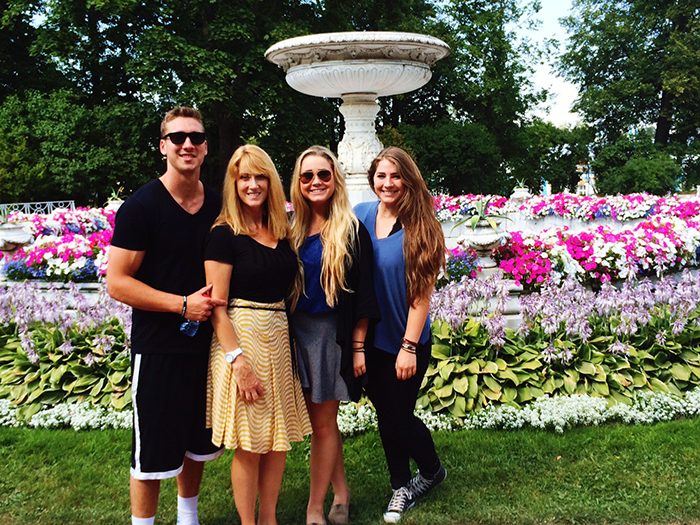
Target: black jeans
(403, 435)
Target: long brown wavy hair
(337, 234)
(423, 242)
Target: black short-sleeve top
(173, 243)
(260, 273)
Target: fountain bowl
(376, 63)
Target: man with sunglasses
(156, 267)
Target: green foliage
(87, 371)
(634, 164)
(552, 154)
(54, 147)
(468, 373)
(455, 158)
(638, 64)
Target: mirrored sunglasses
(307, 176)
(179, 137)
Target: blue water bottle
(187, 327)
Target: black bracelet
(359, 350)
(184, 306)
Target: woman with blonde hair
(254, 404)
(409, 252)
(331, 316)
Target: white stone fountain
(358, 67)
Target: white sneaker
(401, 501)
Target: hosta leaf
(509, 394)
(444, 391)
(491, 383)
(440, 351)
(508, 374)
(446, 370)
(490, 368)
(459, 408)
(569, 384)
(474, 367)
(680, 371)
(473, 386)
(586, 368)
(461, 385)
(490, 394)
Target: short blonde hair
(180, 111)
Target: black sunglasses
(179, 137)
(307, 176)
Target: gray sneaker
(420, 486)
(401, 501)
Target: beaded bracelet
(184, 306)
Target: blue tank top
(313, 300)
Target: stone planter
(12, 236)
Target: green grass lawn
(612, 474)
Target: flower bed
(569, 206)
(75, 350)
(69, 246)
(614, 343)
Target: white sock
(143, 521)
(187, 510)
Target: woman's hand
(405, 365)
(358, 363)
(249, 388)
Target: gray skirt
(318, 356)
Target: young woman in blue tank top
(409, 251)
(331, 317)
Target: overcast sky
(563, 93)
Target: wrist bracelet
(408, 349)
(359, 350)
(184, 306)
(409, 342)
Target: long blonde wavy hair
(253, 160)
(338, 232)
(423, 242)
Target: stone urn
(483, 238)
(14, 235)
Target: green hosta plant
(89, 365)
(613, 344)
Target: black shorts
(169, 396)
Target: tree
(634, 163)
(637, 63)
(452, 156)
(22, 66)
(552, 154)
(53, 147)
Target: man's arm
(124, 287)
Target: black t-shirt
(173, 241)
(260, 273)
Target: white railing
(34, 207)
